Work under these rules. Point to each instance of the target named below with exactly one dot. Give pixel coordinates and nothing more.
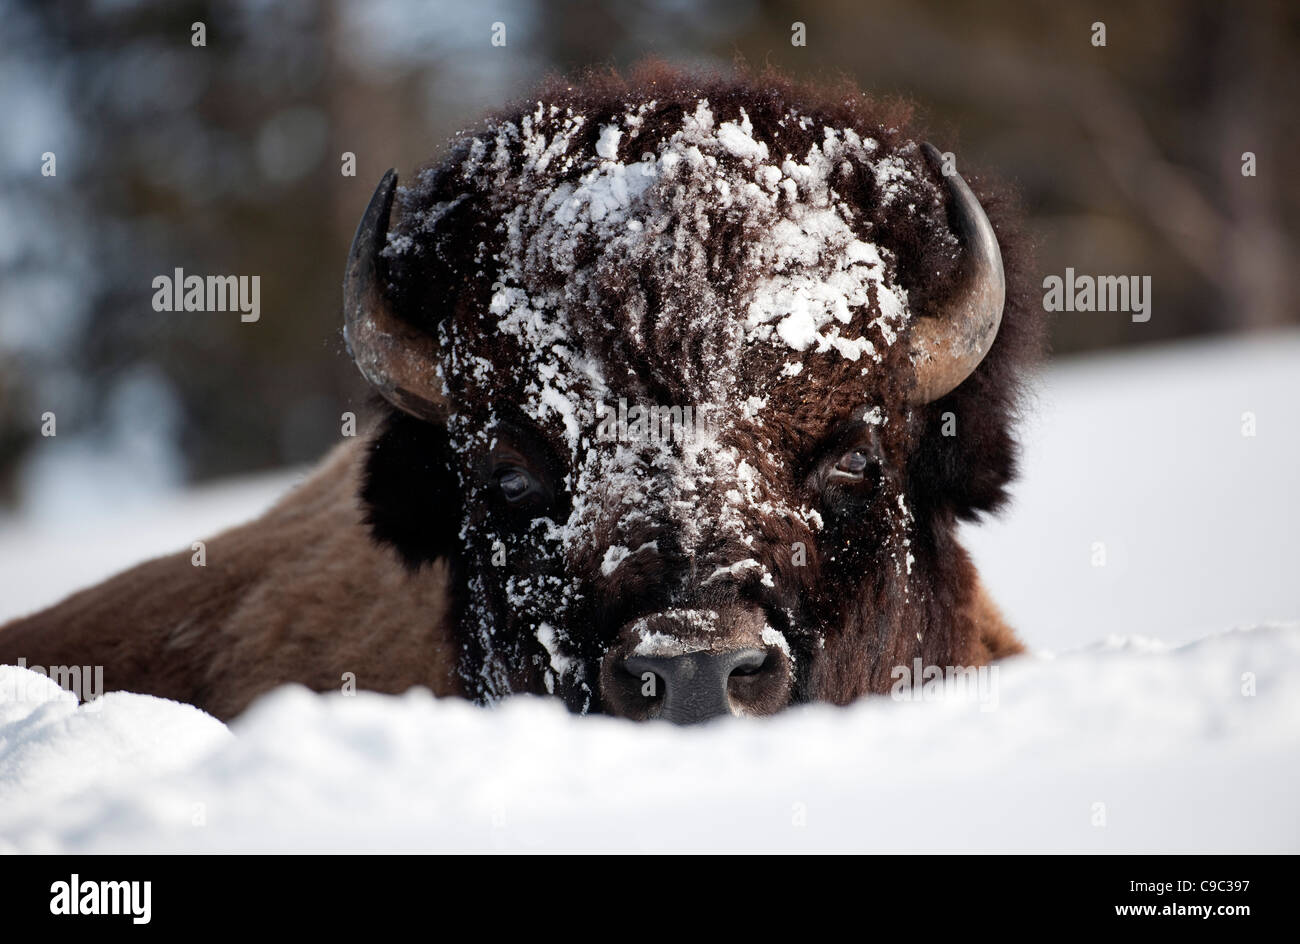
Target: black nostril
(697, 686)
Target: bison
(686, 382)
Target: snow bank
(1144, 452)
(56, 753)
(1124, 746)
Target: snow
(1144, 453)
(774, 637)
(738, 139)
(1154, 726)
(617, 553)
(607, 145)
(1167, 743)
(52, 750)
(821, 271)
(546, 636)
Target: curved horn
(947, 347)
(396, 359)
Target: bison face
(678, 575)
(657, 371)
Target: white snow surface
(1144, 453)
(1155, 716)
(1167, 742)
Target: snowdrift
(1124, 746)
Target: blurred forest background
(226, 159)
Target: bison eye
(515, 484)
(852, 466)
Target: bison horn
(947, 347)
(396, 359)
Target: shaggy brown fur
(304, 594)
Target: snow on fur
(805, 282)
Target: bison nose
(696, 686)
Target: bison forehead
(706, 267)
(699, 493)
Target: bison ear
(397, 359)
(410, 490)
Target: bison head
(670, 361)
